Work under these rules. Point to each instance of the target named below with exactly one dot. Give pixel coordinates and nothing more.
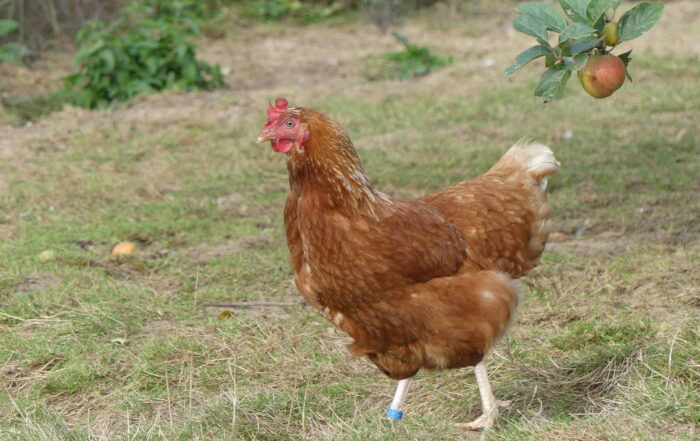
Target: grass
(95, 347)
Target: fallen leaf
(558, 235)
(225, 314)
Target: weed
(140, 54)
(412, 61)
(273, 10)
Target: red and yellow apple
(602, 75)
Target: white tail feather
(535, 158)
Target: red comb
(274, 112)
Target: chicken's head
(284, 129)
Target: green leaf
(9, 57)
(525, 57)
(181, 50)
(577, 10)
(575, 30)
(191, 26)
(107, 55)
(189, 71)
(584, 44)
(529, 25)
(626, 58)
(73, 79)
(90, 50)
(576, 63)
(401, 39)
(12, 53)
(7, 26)
(552, 83)
(565, 49)
(15, 48)
(600, 24)
(544, 43)
(549, 60)
(152, 65)
(638, 20)
(597, 8)
(544, 13)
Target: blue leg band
(394, 414)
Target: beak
(265, 135)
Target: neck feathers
(328, 167)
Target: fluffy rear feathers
(536, 159)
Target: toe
(504, 404)
(481, 423)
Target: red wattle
(282, 145)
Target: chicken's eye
(289, 123)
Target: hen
(416, 284)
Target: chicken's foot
(394, 411)
(489, 404)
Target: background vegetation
(144, 46)
(46, 22)
(94, 347)
(147, 49)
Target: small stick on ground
(252, 304)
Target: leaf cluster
(11, 52)
(147, 49)
(580, 35)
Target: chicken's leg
(489, 404)
(394, 411)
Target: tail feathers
(531, 163)
(536, 159)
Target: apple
(610, 34)
(123, 248)
(47, 255)
(602, 75)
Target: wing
(357, 259)
(502, 220)
(419, 242)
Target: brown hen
(416, 284)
